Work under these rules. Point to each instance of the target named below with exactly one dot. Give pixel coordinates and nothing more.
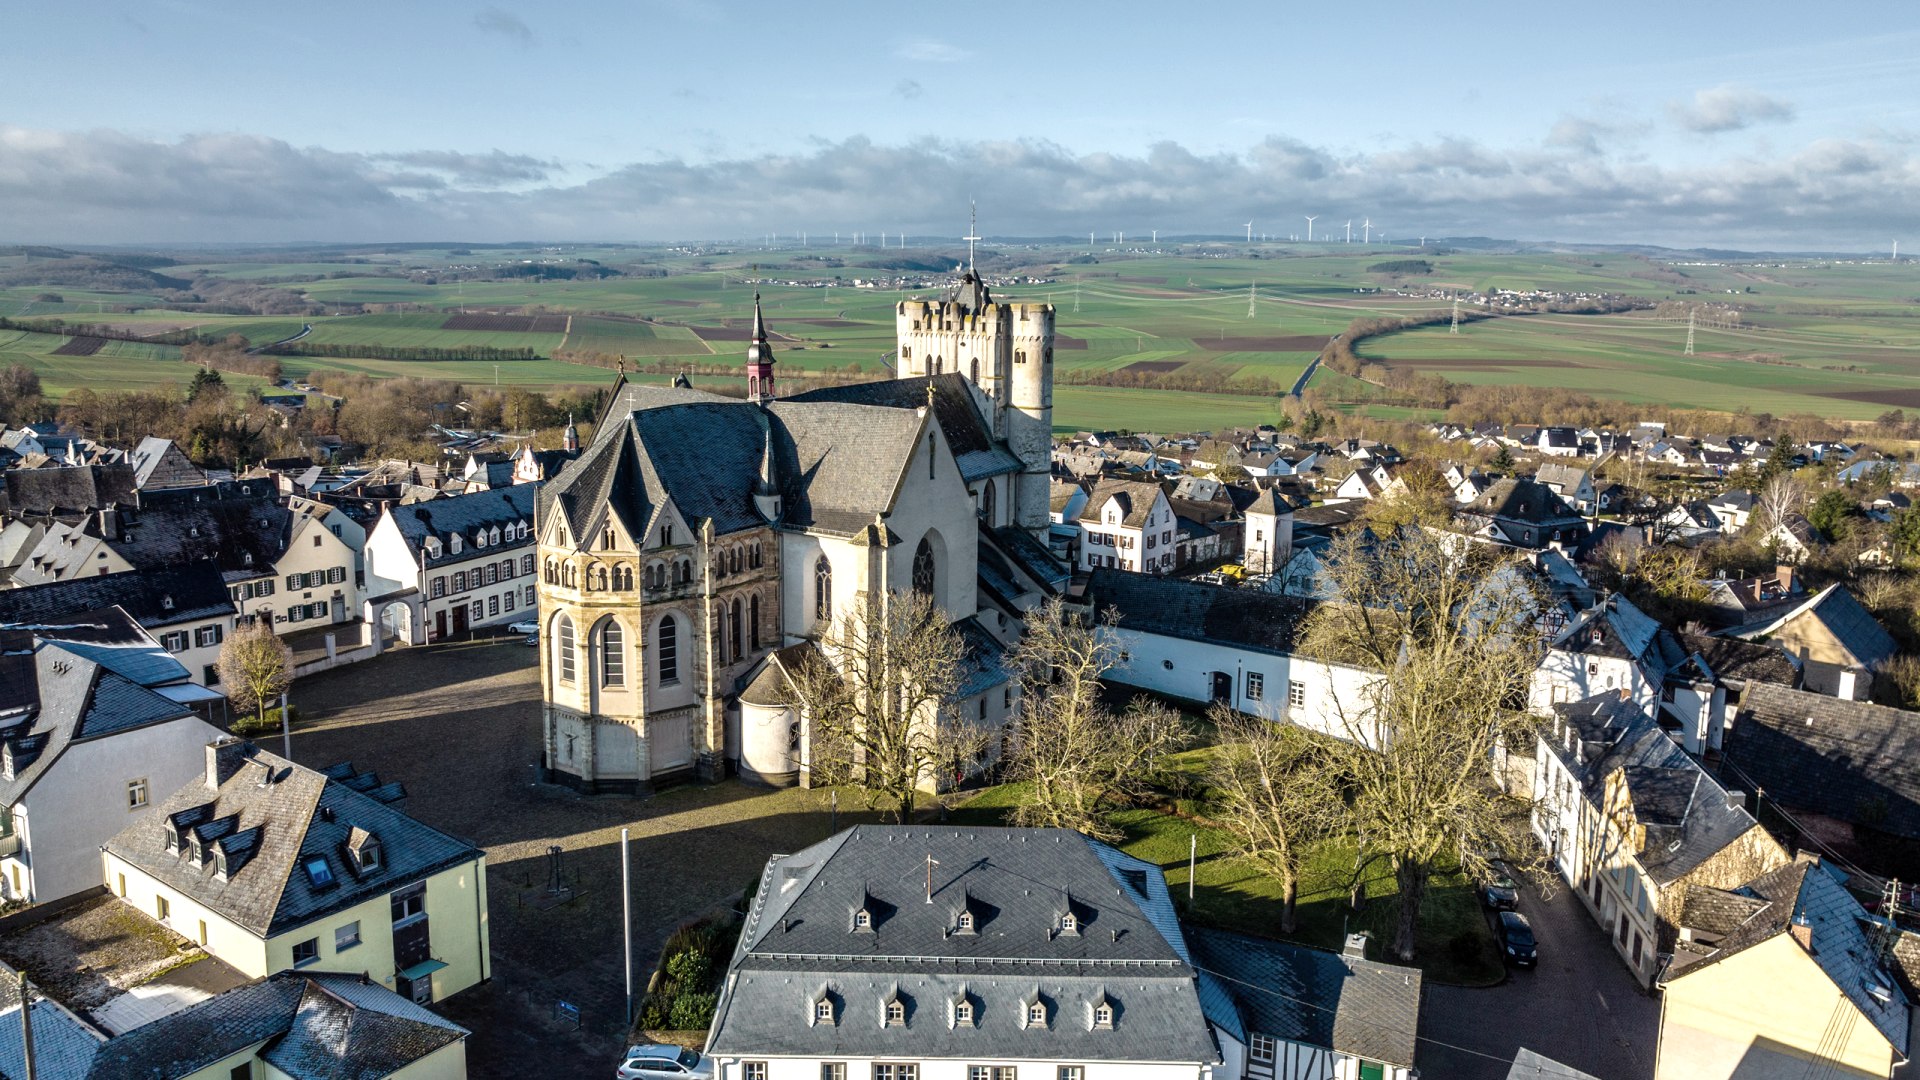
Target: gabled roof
(273, 817)
(1616, 628)
(1525, 501)
(1843, 759)
(1319, 998)
(958, 405)
(78, 700)
(460, 516)
(1193, 611)
(1850, 624)
(68, 490)
(1135, 498)
(314, 1026)
(161, 596)
(1735, 661)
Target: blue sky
(1761, 126)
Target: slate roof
(270, 830)
(1734, 661)
(239, 525)
(78, 700)
(1193, 611)
(1270, 503)
(1136, 498)
(161, 596)
(315, 1026)
(957, 407)
(442, 519)
(1835, 609)
(109, 637)
(800, 941)
(1528, 1065)
(63, 1045)
(1346, 1004)
(68, 490)
(1847, 760)
(1805, 893)
(1616, 628)
(1524, 501)
(1686, 811)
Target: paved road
(1579, 1007)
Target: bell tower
(759, 359)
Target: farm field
(118, 365)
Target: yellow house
(1785, 976)
(272, 866)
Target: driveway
(459, 724)
(1580, 1007)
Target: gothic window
(986, 504)
(613, 655)
(976, 369)
(666, 641)
(823, 590)
(734, 641)
(565, 648)
(753, 621)
(623, 578)
(753, 554)
(923, 568)
(733, 558)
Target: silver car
(659, 1062)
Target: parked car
(653, 1061)
(525, 626)
(1516, 939)
(1501, 892)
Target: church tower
(1006, 349)
(759, 359)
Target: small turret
(571, 440)
(766, 486)
(759, 359)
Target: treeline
(1192, 379)
(231, 354)
(335, 351)
(104, 330)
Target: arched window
(753, 621)
(923, 568)
(666, 640)
(976, 369)
(565, 660)
(613, 655)
(733, 557)
(753, 554)
(734, 640)
(986, 503)
(823, 590)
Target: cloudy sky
(1758, 126)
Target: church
(700, 546)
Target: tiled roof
(461, 515)
(1524, 501)
(801, 941)
(1136, 499)
(1192, 611)
(1842, 759)
(1346, 1004)
(314, 1026)
(161, 596)
(78, 700)
(273, 816)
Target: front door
(1222, 686)
(440, 625)
(459, 620)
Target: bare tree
(1450, 630)
(1274, 791)
(1783, 494)
(880, 704)
(1081, 760)
(256, 667)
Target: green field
(1837, 339)
(120, 365)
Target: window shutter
(336, 575)
(293, 581)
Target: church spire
(571, 440)
(759, 358)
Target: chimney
(1802, 932)
(225, 755)
(1783, 573)
(1736, 800)
(109, 524)
(1356, 947)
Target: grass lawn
(1455, 943)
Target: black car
(1516, 939)
(1501, 892)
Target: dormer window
(454, 543)
(220, 863)
(896, 1014)
(964, 924)
(1070, 924)
(963, 1013)
(480, 538)
(246, 558)
(823, 1010)
(173, 836)
(196, 850)
(1103, 1014)
(863, 921)
(1036, 1013)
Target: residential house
(1843, 772)
(1741, 601)
(1572, 483)
(1611, 647)
(1128, 524)
(1268, 531)
(1734, 509)
(1670, 453)
(272, 866)
(1359, 484)
(1558, 442)
(1522, 514)
(1689, 521)
(159, 464)
(1719, 462)
(186, 608)
(1630, 820)
(88, 743)
(69, 494)
(1204, 643)
(1697, 696)
(1780, 976)
(1793, 538)
(1466, 484)
(961, 954)
(439, 569)
(1837, 644)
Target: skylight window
(319, 872)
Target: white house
(84, 749)
(1570, 482)
(1733, 508)
(441, 568)
(1128, 524)
(185, 607)
(1612, 646)
(1268, 541)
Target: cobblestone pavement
(459, 724)
(1580, 1007)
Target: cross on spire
(973, 231)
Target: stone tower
(1006, 349)
(759, 359)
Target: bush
(249, 725)
(654, 1012)
(692, 1012)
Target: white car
(653, 1061)
(527, 627)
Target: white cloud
(1729, 107)
(928, 51)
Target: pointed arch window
(565, 647)
(923, 568)
(733, 632)
(753, 621)
(667, 649)
(613, 655)
(823, 590)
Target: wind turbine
(1310, 218)
(1249, 232)
(1366, 231)
(1349, 230)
